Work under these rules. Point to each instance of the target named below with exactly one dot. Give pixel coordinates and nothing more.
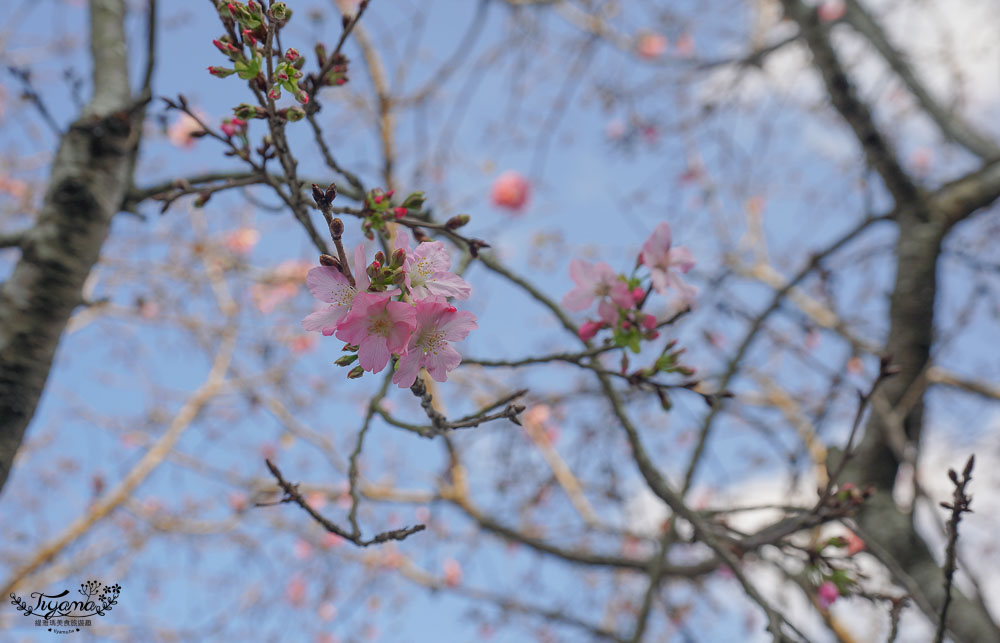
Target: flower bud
(280, 11)
(247, 111)
(346, 360)
(331, 192)
(380, 258)
(398, 258)
(320, 50)
(589, 329)
(457, 221)
(302, 96)
(294, 114)
(399, 212)
(337, 228)
(291, 55)
(398, 278)
(319, 197)
(202, 199)
(249, 38)
(330, 260)
(221, 72)
(414, 201)
(355, 373)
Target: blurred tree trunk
(924, 220)
(90, 176)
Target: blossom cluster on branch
(399, 308)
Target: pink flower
(437, 323)
(511, 191)
(329, 285)
(832, 10)
(378, 326)
(651, 46)
(427, 268)
(827, 594)
(661, 260)
(181, 131)
(595, 281)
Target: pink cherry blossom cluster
(400, 309)
(620, 297)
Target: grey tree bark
(924, 220)
(90, 177)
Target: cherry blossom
(664, 262)
(595, 281)
(329, 285)
(437, 323)
(511, 191)
(378, 326)
(426, 270)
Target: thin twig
(959, 505)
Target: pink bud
(510, 191)
(638, 293)
(649, 322)
(389, 194)
(827, 594)
(378, 198)
(589, 329)
(399, 212)
(248, 37)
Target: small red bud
(399, 212)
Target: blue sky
(119, 377)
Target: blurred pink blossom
(452, 573)
(650, 46)
(511, 191)
(831, 10)
(181, 131)
(827, 594)
(242, 240)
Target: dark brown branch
(293, 495)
